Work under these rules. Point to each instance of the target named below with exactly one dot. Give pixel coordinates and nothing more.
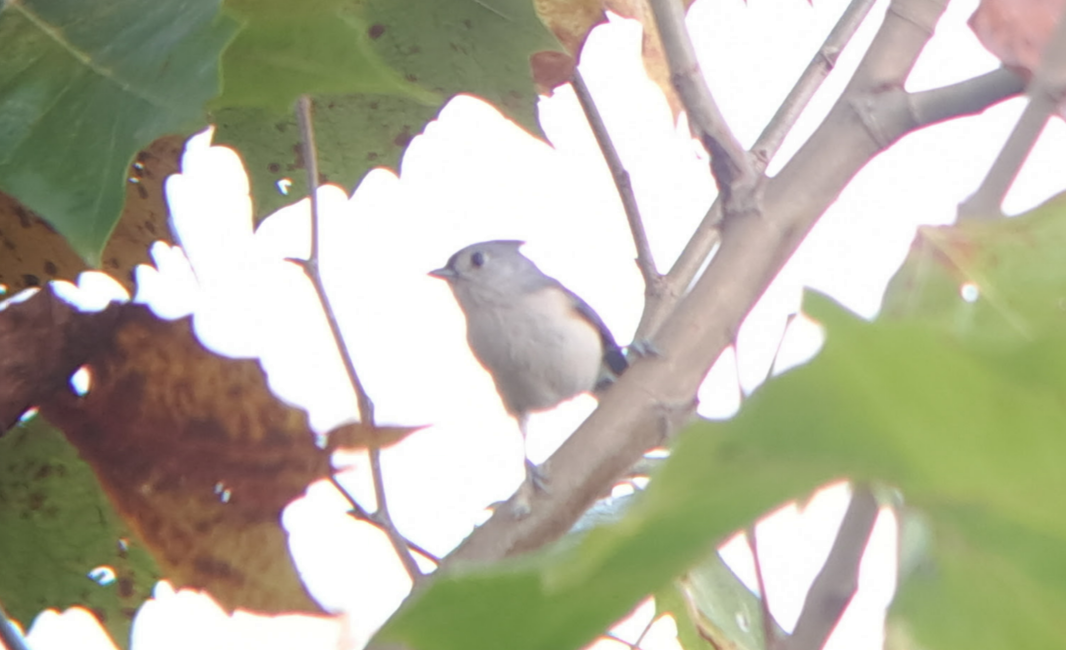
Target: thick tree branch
(366, 406)
(634, 415)
(837, 582)
(730, 163)
(703, 240)
(1046, 92)
(645, 261)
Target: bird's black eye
(477, 259)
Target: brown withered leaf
(198, 456)
(32, 253)
(1016, 30)
(144, 215)
(355, 435)
(572, 20)
(43, 340)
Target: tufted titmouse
(541, 343)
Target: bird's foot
(643, 348)
(536, 477)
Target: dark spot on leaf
(30, 280)
(374, 105)
(36, 500)
(149, 226)
(322, 178)
(100, 614)
(403, 138)
(375, 31)
(50, 268)
(125, 587)
(44, 471)
(274, 168)
(211, 566)
(410, 77)
(25, 220)
(468, 24)
(372, 155)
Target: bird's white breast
(538, 349)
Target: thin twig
(770, 639)
(838, 580)
(706, 235)
(359, 513)
(730, 163)
(645, 261)
(10, 636)
(366, 406)
(311, 266)
(810, 81)
(384, 519)
(1045, 92)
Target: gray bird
(539, 341)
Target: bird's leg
(534, 475)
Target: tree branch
(705, 237)
(1046, 91)
(645, 261)
(730, 163)
(366, 407)
(634, 414)
(838, 580)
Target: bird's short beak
(443, 273)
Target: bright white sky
(475, 176)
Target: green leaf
(84, 86)
(355, 133)
(671, 600)
(727, 611)
(459, 46)
(377, 70)
(57, 527)
(316, 46)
